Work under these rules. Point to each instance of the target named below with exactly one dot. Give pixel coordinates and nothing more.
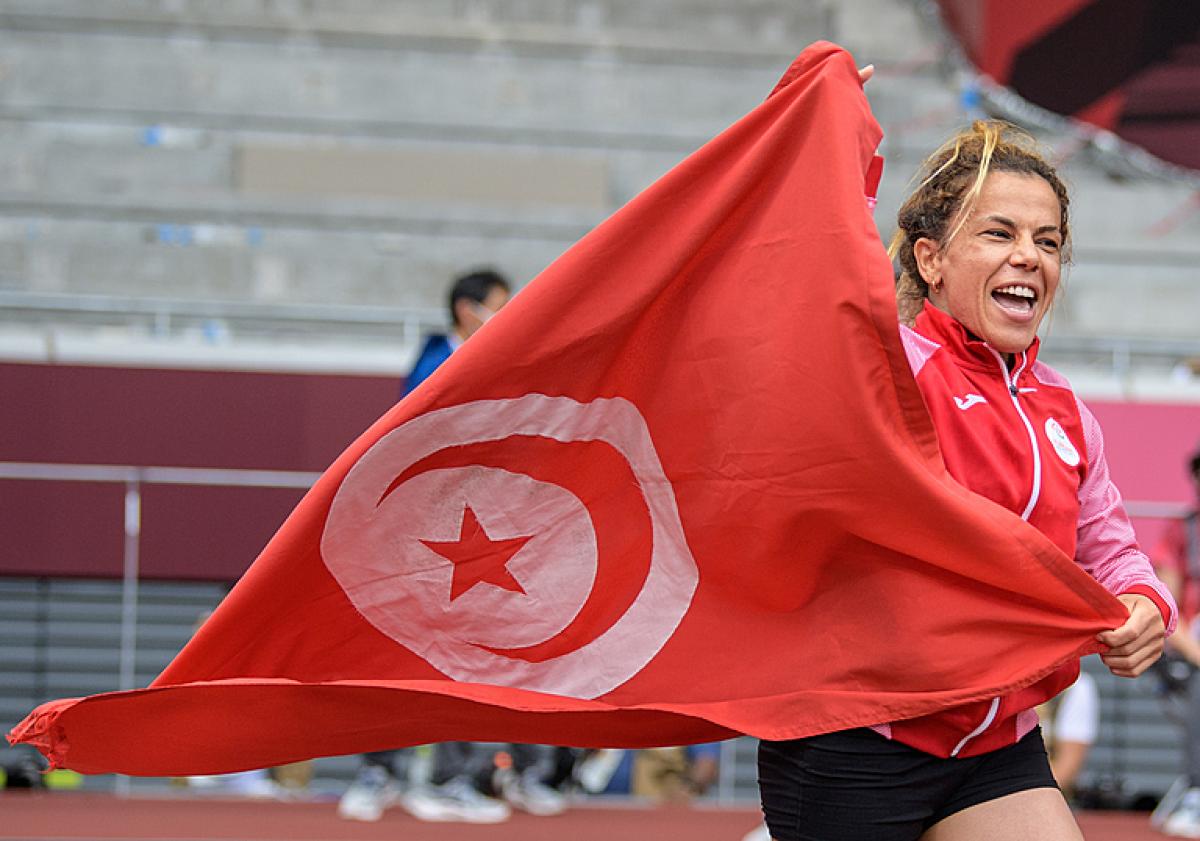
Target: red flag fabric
(682, 487)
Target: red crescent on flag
(372, 543)
(602, 480)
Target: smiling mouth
(1016, 300)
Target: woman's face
(998, 274)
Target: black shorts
(856, 785)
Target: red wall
(1148, 444)
(145, 417)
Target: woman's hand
(865, 73)
(1133, 647)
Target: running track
(74, 816)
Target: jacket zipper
(1034, 493)
(1011, 382)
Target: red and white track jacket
(1024, 440)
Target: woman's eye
(997, 232)
(1049, 244)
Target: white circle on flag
(556, 568)
(1061, 443)
(376, 545)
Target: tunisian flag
(682, 487)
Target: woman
(981, 244)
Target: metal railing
(224, 321)
(166, 317)
(133, 478)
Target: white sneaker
(205, 781)
(366, 799)
(759, 833)
(1184, 822)
(1169, 803)
(595, 772)
(456, 800)
(527, 792)
(255, 786)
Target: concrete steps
(364, 151)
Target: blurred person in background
(474, 298)
(462, 776)
(1070, 723)
(1177, 558)
(675, 774)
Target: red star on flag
(477, 558)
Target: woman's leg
(1040, 813)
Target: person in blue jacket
(474, 298)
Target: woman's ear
(929, 259)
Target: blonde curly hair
(951, 179)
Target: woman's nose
(1024, 252)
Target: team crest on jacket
(1061, 443)
(456, 536)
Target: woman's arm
(1107, 548)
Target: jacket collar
(948, 332)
